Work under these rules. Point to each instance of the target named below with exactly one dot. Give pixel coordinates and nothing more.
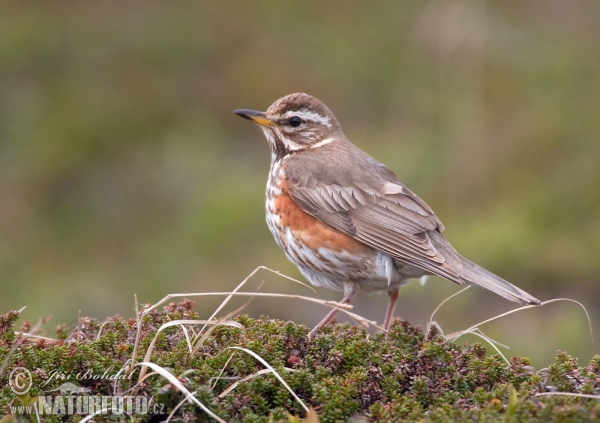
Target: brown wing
(362, 198)
(392, 223)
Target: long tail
(461, 270)
(476, 274)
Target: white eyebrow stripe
(309, 116)
(321, 143)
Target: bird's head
(296, 122)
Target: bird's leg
(389, 314)
(349, 296)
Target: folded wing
(382, 213)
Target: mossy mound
(342, 373)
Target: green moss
(341, 373)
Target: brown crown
(300, 101)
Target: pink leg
(349, 297)
(389, 314)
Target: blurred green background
(123, 170)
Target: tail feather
(476, 274)
(460, 270)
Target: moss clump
(342, 372)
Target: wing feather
(379, 221)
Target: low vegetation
(342, 373)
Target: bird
(344, 219)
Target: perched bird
(344, 219)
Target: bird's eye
(295, 121)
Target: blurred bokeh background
(123, 170)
